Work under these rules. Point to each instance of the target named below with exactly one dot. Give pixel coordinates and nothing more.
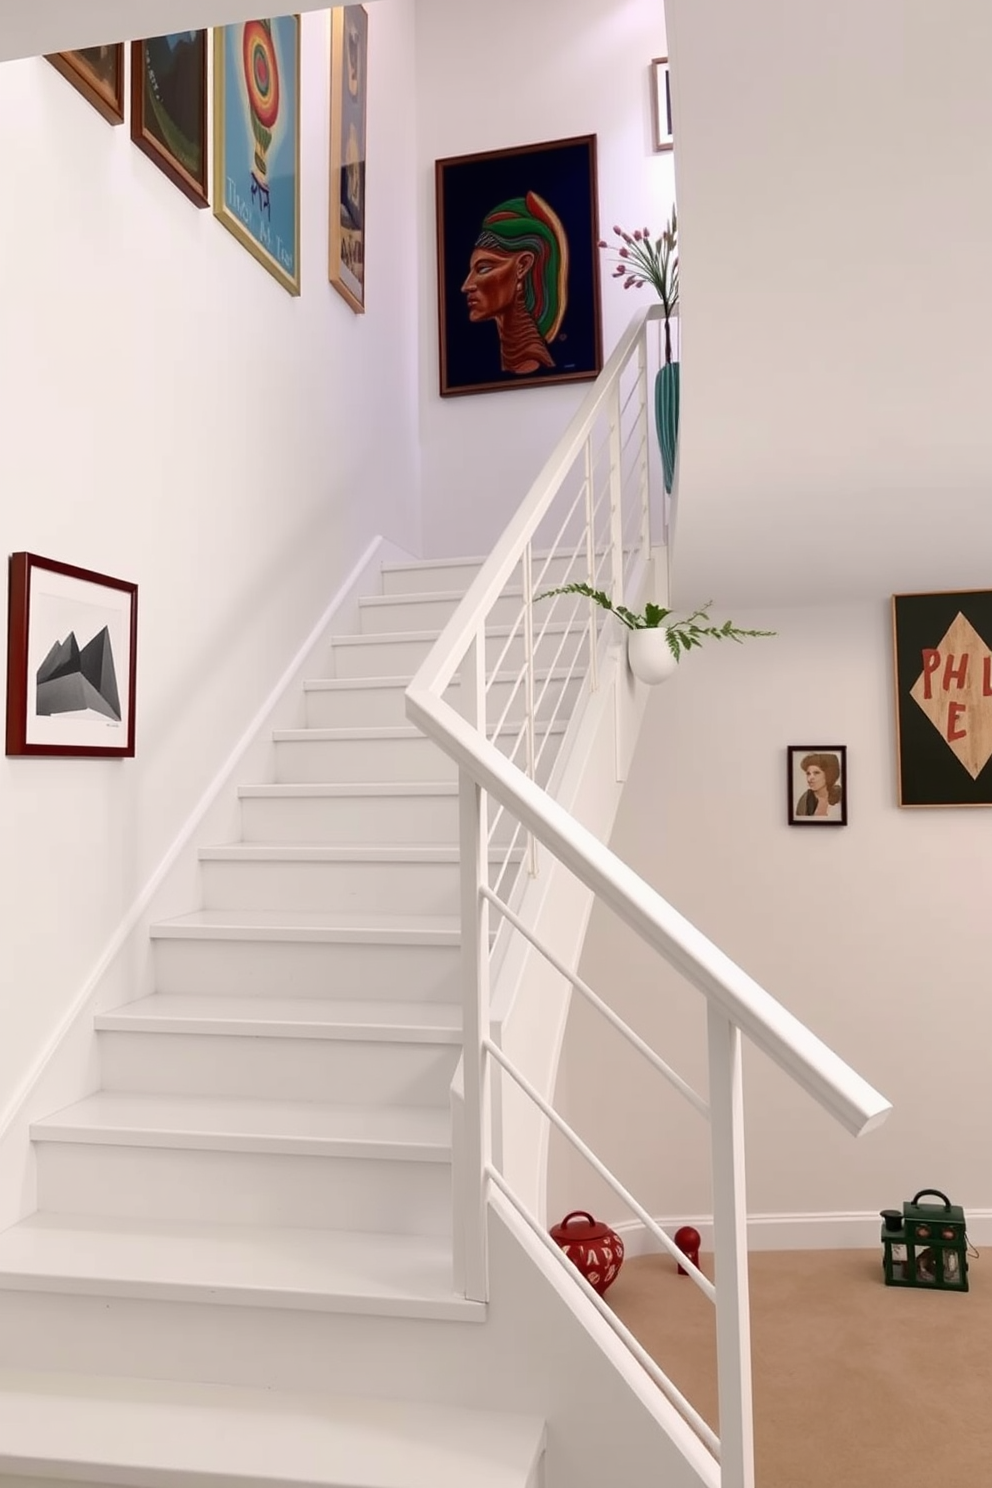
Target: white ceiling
(29, 28)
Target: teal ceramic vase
(666, 417)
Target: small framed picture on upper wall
(661, 104)
(98, 74)
(817, 785)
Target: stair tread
(351, 788)
(352, 684)
(140, 1428)
(408, 1133)
(293, 925)
(303, 1017)
(353, 1269)
(394, 731)
(358, 852)
(495, 632)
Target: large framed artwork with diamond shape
(71, 648)
(943, 678)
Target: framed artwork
(349, 60)
(943, 679)
(661, 104)
(169, 108)
(518, 267)
(257, 141)
(71, 654)
(817, 785)
(98, 73)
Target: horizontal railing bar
(440, 665)
(822, 1073)
(703, 1282)
(671, 1391)
(653, 1058)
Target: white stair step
(388, 613)
(412, 879)
(148, 1432)
(321, 1270)
(343, 702)
(417, 812)
(428, 575)
(276, 1017)
(163, 1046)
(272, 954)
(209, 1161)
(307, 756)
(400, 654)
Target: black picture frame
(71, 660)
(517, 236)
(942, 664)
(816, 799)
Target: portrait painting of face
(817, 783)
(517, 267)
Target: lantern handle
(936, 1194)
(584, 1214)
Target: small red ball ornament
(593, 1248)
(688, 1241)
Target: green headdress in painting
(528, 223)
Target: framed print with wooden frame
(942, 647)
(817, 785)
(661, 104)
(349, 92)
(71, 660)
(257, 141)
(98, 74)
(518, 267)
(169, 108)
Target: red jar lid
(579, 1226)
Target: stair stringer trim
(65, 1069)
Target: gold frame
(334, 265)
(664, 129)
(233, 224)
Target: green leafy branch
(682, 635)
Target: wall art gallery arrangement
(71, 660)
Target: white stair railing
(588, 516)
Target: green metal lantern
(926, 1245)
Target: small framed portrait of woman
(518, 270)
(817, 783)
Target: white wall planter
(649, 655)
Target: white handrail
(822, 1073)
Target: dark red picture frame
(191, 87)
(105, 94)
(88, 675)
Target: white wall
(877, 935)
(537, 72)
(835, 211)
(171, 416)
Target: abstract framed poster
(817, 785)
(661, 104)
(98, 74)
(169, 108)
(943, 678)
(71, 660)
(257, 141)
(518, 267)
(349, 59)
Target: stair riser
(248, 1188)
(345, 761)
(401, 657)
(315, 888)
(384, 707)
(428, 614)
(253, 968)
(339, 1071)
(427, 821)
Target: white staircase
(272, 1129)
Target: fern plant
(681, 635)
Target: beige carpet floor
(856, 1385)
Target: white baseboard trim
(346, 592)
(838, 1231)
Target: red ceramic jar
(593, 1248)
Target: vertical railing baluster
(591, 565)
(733, 1314)
(644, 421)
(616, 499)
(474, 861)
(527, 565)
